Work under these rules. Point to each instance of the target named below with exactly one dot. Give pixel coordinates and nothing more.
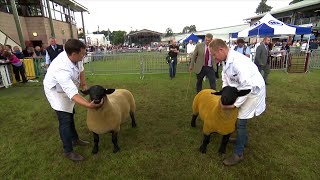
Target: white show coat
(61, 82)
(239, 72)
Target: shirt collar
(229, 59)
(67, 60)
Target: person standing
(242, 48)
(190, 50)
(262, 58)
(61, 82)
(52, 51)
(203, 64)
(17, 66)
(239, 72)
(173, 53)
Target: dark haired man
(61, 83)
(242, 48)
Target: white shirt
(47, 54)
(239, 72)
(190, 48)
(62, 81)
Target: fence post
(141, 67)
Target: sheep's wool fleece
(215, 119)
(113, 113)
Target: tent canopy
(270, 26)
(192, 37)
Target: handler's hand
(190, 68)
(94, 106)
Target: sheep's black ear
(85, 92)
(218, 93)
(109, 91)
(243, 92)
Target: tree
(295, 1)
(118, 37)
(189, 29)
(168, 32)
(81, 35)
(186, 29)
(192, 28)
(263, 7)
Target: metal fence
(314, 59)
(155, 63)
(133, 63)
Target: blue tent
(269, 26)
(192, 37)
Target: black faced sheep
(216, 119)
(117, 106)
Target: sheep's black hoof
(222, 151)
(95, 150)
(193, 124)
(115, 150)
(203, 149)
(134, 125)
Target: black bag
(168, 59)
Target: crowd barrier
(155, 63)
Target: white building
(97, 40)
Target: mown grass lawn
(283, 142)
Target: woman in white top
(239, 72)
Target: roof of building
(144, 31)
(299, 5)
(75, 6)
(223, 30)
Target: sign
(273, 22)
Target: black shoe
(73, 156)
(80, 142)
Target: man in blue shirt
(242, 48)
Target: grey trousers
(209, 72)
(265, 69)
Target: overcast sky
(158, 15)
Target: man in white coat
(61, 83)
(239, 72)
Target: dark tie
(206, 57)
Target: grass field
(283, 142)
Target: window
(5, 6)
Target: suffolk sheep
(216, 119)
(118, 104)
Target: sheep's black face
(230, 94)
(97, 93)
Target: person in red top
(17, 66)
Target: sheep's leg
(206, 140)
(193, 121)
(116, 148)
(133, 122)
(223, 145)
(96, 143)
